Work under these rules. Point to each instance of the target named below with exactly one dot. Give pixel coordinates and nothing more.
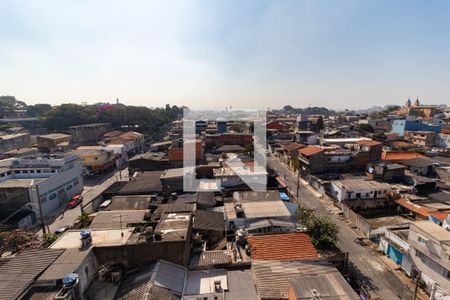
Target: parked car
(63, 229)
(75, 201)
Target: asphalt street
(369, 269)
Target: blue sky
(339, 54)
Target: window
(367, 194)
(422, 239)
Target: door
(394, 254)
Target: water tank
(70, 280)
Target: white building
(430, 252)
(354, 189)
(55, 179)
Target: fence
(357, 220)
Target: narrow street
(92, 188)
(369, 269)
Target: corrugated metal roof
(66, 263)
(272, 277)
(117, 219)
(130, 202)
(19, 272)
(322, 286)
(214, 257)
(170, 276)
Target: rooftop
(329, 286)
(55, 136)
(209, 220)
(203, 282)
(17, 274)
(117, 219)
(174, 226)
(262, 209)
(417, 208)
(162, 280)
(66, 263)
(285, 246)
(310, 150)
(398, 156)
(251, 196)
(272, 277)
(144, 183)
(369, 143)
(109, 237)
(431, 229)
(361, 184)
(130, 202)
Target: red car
(75, 201)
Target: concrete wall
(357, 220)
(132, 256)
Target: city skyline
(206, 54)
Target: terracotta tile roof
(285, 246)
(292, 146)
(440, 215)
(369, 143)
(395, 156)
(446, 131)
(418, 209)
(310, 150)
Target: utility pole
(40, 209)
(416, 288)
(298, 181)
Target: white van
(104, 205)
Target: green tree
(322, 231)
(38, 110)
(364, 128)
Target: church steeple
(408, 103)
(417, 103)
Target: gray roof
(143, 184)
(117, 219)
(202, 283)
(214, 257)
(130, 202)
(18, 273)
(272, 277)
(418, 162)
(162, 280)
(329, 286)
(251, 196)
(66, 263)
(209, 220)
(241, 285)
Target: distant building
(401, 125)
(53, 142)
(421, 138)
(10, 142)
(88, 133)
(96, 159)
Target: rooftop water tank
(70, 279)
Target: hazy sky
(339, 54)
